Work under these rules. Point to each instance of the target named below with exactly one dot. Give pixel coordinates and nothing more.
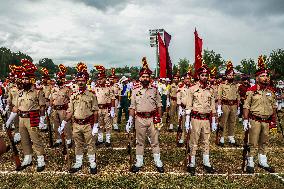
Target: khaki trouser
(183, 135)
(173, 112)
(105, 121)
(200, 129)
(57, 117)
(16, 123)
(280, 120)
(82, 135)
(258, 137)
(143, 126)
(114, 120)
(228, 119)
(29, 134)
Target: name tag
(268, 94)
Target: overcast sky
(116, 32)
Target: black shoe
(191, 170)
(250, 170)
(108, 144)
(8, 148)
(221, 144)
(179, 144)
(57, 144)
(93, 170)
(209, 170)
(40, 169)
(160, 169)
(44, 130)
(135, 169)
(268, 169)
(99, 143)
(74, 170)
(171, 130)
(18, 142)
(25, 166)
(70, 145)
(233, 144)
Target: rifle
(129, 145)
(179, 130)
(187, 159)
(280, 125)
(246, 150)
(15, 155)
(49, 130)
(219, 132)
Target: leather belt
(173, 98)
(28, 114)
(146, 114)
(61, 107)
(260, 119)
(200, 116)
(88, 120)
(229, 102)
(104, 106)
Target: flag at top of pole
(198, 51)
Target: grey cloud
(105, 4)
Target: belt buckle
(24, 114)
(202, 116)
(147, 114)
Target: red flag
(169, 62)
(198, 51)
(162, 57)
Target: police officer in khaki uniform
(200, 108)
(259, 114)
(115, 89)
(181, 102)
(30, 105)
(59, 99)
(83, 109)
(106, 103)
(228, 105)
(13, 92)
(146, 105)
(173, 100)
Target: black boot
(108, 144)
(268, 169)
(160, 169)
(191, 170)
(74, 170)
(93, 170)
(250, 170)
(135, 169)
(98, 143)
(25, 166)
(208, 169)
(40, 169)
(57, 144)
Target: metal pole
(157, 55)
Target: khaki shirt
(83, 105)
(116, 89)
(228, 91)
(104, 94)
(60, 95)
(173, 90)
(46, 90)
(30, 100)
(145, 99)
(201, 100)
(181, 94)
(260, 102)
(12, 95)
